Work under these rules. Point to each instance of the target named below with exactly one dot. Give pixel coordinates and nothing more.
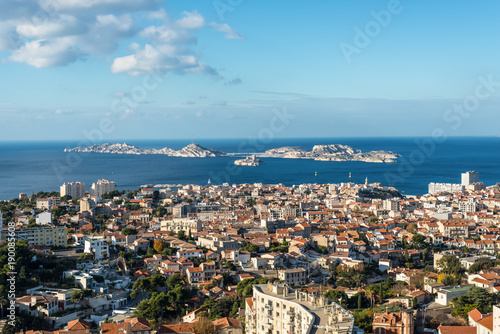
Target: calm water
(33, 166)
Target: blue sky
(215, 69)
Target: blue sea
(30, 167)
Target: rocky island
(250, 161)
(190, 151)
(334, 152)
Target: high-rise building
(470, 178)
(73, 189)
(102, 187)
(444, 187)
(277, 309)
(87, 205)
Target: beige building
(277, 309)
(393, 323)
(181, 224)
(42, 236)
(73, 189)
(453, 230)
(102, 187)
(293, 276)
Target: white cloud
(62, 25)
(159, 60)
(160, 14)
(41, 53)
(225, 28)
(191, 20)
(46, 33)
(100, 6)
(169, 49)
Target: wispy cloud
(221, 103)
(230, 33)
(235, 81)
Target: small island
(250, 161)
(334, 152)
(190, 151)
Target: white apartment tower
(277, 309)
(73, 189)
(470, 178)
(102, 187)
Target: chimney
(33, 300)
(387, 310)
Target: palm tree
(371, 296)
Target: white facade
(496, 319)
(44, 218)
(278, 309)
(98, 247)
(102, 187)
(181, 224)
(444, 187)
(470, 178)
(73, 189)
(392, 205)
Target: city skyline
(153, 69)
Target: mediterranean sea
(30, 167)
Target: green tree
(481, 264)
(338, 296)
(129, 231)
(204, 326)
(181, 235)
(450, 265)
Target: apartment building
(181, 224)
(102, 187)
(277, 309)
(395, 323)
(43, 236)
(453, 230)
(217, 243)
(293, 276)
(73, 189)
(98, 247)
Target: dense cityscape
(249, 167)
(252, 258)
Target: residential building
(444, 187)
(394, 323)
(43, 235)
(293, 276)
(34, 304)
(102, 187)
(44, 218)
(44, 203)
(98, 247)
(217, 242)
(181, 224)
(444, 295)
(73, 189)
(470, 178)
(128, 326)
(277, 309)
